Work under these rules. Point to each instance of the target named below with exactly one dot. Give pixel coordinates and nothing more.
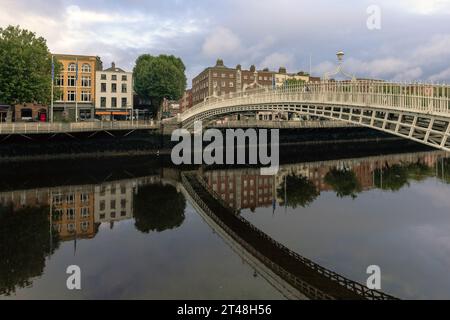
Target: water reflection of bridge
(288, 269)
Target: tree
(156, 78)
(300, 191)
(25, 242)
(293, 82)
(25, 67)
(158, 207)
(344, 182)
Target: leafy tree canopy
(24, 244)
(25, 67)
(158, 208)
(156, 78)
(344, 182)
(298, 191)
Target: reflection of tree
(444, 170)
(395, 177)
(24, 244)
(158, 207)
(344, 182)
(300, 191)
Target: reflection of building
(113, 93)
(242, 189)
(73, 212)
(76, 85)
(114, 201)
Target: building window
(113, 204)
(223, 75)
(71, 81)
(103, 102)
(102, 205)
(84, 226)
(86, 96)
(103, 77)
(124, 102)
(71, 214)
(123, 204)
(59, 81)
(86, 68)
(224, 84)
(124, 88)
(72, 67)
(113, 87)
(103, 87)
(84, 197)
(57, 199)
(70, 95)
(114, 77)
(231, 84)
(71, 227)
(124, 78)
(215, 75)
(113, 102)
(85, 213)
(86, 81)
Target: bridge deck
(311, 279)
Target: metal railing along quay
(26, 128)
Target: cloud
(277, 59)
(443, 75)
(221, 41)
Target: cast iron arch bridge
(415, 111)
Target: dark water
(133, 233)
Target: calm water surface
(135, 235)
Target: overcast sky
(412, 44)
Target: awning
(103, 113)
(121, 113)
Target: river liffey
(135, 233)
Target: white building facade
(114, 94)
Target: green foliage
(344, 182)
(394, 178)
(156, 78)
(24, 244)
(158, 208)
(294, 82)
(25, 67)
(300, 191)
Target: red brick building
(221, 80)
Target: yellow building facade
(75, 90)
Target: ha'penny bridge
(295, 276)
(414, 111)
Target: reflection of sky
(406, 233)
(190, 262)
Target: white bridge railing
(45, 127)
(415, 97)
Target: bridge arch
(416, 112)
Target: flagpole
(53, 82)
(76, 91)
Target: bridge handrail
(419, 97)
(345, 282)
